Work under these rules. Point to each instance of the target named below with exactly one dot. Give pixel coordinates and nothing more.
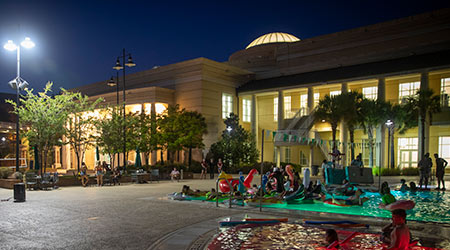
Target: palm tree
(329, 110)
(350, 104)
(422, 104)
(373, 113)
(400, 114)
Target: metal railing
(217, 191)
(295, 118)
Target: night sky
(77, 42)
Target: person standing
(219, 166)
(211, 168)
(204, 169)
(99, 174)
(425, 168)
(440, 171)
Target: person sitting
(211, 195)
(106, 167)
(352, 200)
(84, 175)
(331, 236)
(116, 176)
(346, 189)
(387, 198)
(175, 175)
(412, 186)
(404, 187)
(357, 162)
(396, 235)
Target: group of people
(425, 165)
(100, 169)
(209, 167)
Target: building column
(310, 99)
(343, 131)
(254, 119)
(380, 140)
(153, 155)
(280, 110)
(425, 144)
(278, 150)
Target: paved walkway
(134, 216)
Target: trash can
(19, 192)
(315, 170)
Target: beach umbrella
(36, 158)
(138, 162)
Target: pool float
(269, 219)
(179, 196)
(291, 175)
(241, 188)
(234, 223)
(341, 223)
(336, 243)
(330, 203)
(306, 180)
(265, 201)
(400, 204)
(298, 194)
(248, 180)
(225, 188)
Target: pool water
(288, 236)
(430, 206)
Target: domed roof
(276, 37)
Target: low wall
(8, 183)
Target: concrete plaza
(133, 216)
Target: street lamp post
(118, 67)
(18, 84)
(113, 83)
(390, 125)
(229, 129)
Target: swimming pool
(289, 236)
(430, 206)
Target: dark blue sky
(77, 42)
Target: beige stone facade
(275, 87)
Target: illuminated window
(275, 109)
(227, 105)
(445, 92)
(135, 108)
(316, 99)
(407, 89)
(247, 109)
(407, 152)
(370, 92)
(304, 104)
(287, 107)
(287, 155)
(303, 159)
(335, 92)
(147, 108)
(444, 147)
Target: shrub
(386, 171)
(18, 176)
(410, 171)
(5, 172)
(196, 167)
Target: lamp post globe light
(118, 66)
(18, 84)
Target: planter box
(8, 183)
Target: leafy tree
(373, 113)
(47, 117)
(171, 134)
(144, 133)
(109, 136)
(80, 125)
(329, 110)
(193, 127)
(422, 104)
(237, 145)
(350, 104)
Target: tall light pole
(113, 83)
(18, 84)
(118, 67)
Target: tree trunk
(422, 145)
(370, 134)
(146, 157)
(162, 157)
(334, 128)
(78, 161)
(352, 147)
(190, 157)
